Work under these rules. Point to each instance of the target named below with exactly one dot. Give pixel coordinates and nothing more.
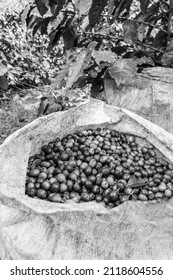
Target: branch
(149, 46)
(146, 23)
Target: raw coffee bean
(97, 164)
(30, 186)
(45, 185)
(52, 180)
(104, 184)
(96, 189)
(31, 192)
(158, 195)
(54, 197)
(45, 164)
(151, 196)
(106, 192)
(110, 180)
(142, 197)
(85, 197)
(61, 178)
(63, 188)
(98, 198)
(34, 173)
(55, 187)
(168, 193)
(162, 187)
(42, 194)
(42, 175)
(113, 196)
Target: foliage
(23, 58)
(104, 37)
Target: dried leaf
(123, 70)
(136, 183)
(103, 56)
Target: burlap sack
(149, 94)
(36, 229)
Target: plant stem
(148, 46)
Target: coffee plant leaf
(3, 70)
(37, 25)
(130, 31)
(58, 8)
(167, 59)
(144, 5)
(145, 60)
(54, 37)
(141, 28)
(69, 36)
(3, 83)
(42, 6)
(76, 69)
(83, 6)
(96, 10)
(123, 70)
(103, 56)
(52, 7)
(60, 77)
(122, 6)
(160, 39)
(111, 5)
(44, 25)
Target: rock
(150, 95)
(36, 229)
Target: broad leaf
(60, 77)
(54, 37)
(130, 31)
(25, 14)
(103, 56)
(145, 60)
(97, 84)
(3, 83)
(111, 6)
(3, 70)
(83, 6)
(160, 39)
(141, 28)
(123, 70)
(69, 36)
(144, 5)
(44, 25)
(42, 6)
(167, 59)
(76, 70)
(123, 4)
(37, 25)
(96, 10)
(60, 4)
